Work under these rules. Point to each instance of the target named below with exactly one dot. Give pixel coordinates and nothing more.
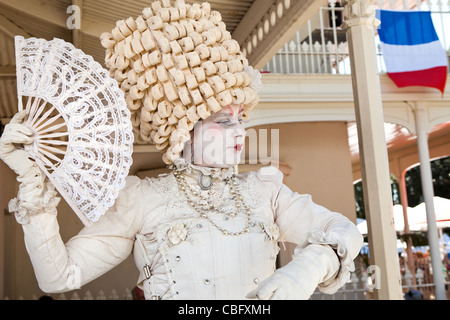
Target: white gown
(180, 254)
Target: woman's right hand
(14, 136)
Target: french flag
(411, 49)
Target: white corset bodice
(190, 258)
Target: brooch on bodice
(205, 181)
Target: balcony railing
(321, 45)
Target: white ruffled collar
(192, 169)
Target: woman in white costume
(203, 231)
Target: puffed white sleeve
(303, 222)
(93, 251)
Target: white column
(421, 118)
(359, 23)
(404, 203)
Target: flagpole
(359, 24)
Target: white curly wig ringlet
(176, 65)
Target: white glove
(299, 278)
(14, 135)
(34, 194)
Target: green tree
(359, 197)
(440, 170)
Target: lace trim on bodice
(176, 205)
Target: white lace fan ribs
(83, 137)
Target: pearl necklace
(232, 183)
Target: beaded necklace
(205, 210)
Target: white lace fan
(83, 137)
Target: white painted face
(219, 140)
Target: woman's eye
(229, 122)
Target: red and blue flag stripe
(411, 49)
